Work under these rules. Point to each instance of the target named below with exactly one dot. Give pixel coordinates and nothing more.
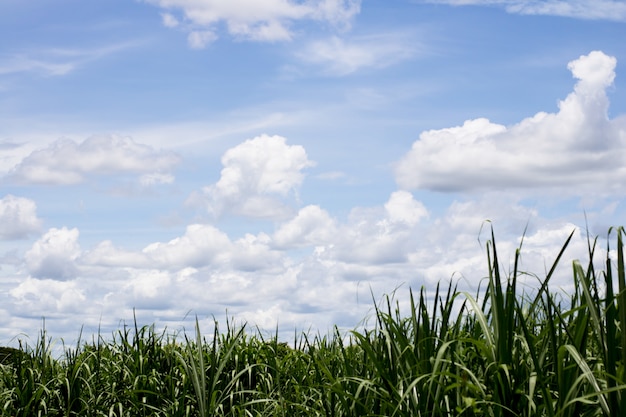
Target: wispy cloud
(18, 217)
(254, 20)
(580, 9)
(337, 56)
(56, 61)
(286, 275)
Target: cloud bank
(576, 150)
(311, 271)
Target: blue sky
(279, 161)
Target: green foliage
(499, 353)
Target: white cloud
(18, 217)
(580, 9)
(48, 297)
(258, 176)
(68, 162)
(256, 20)
(53, 255)
(253, 253)
(200, 245)
(403, 208)
(342, 57)
(375, 236)
(312, 226)
(314, 270)
(577, 150)
(149, 289)
(107, 255)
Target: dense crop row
(495, 354)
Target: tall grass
(499, 352)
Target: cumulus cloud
(372, 236)
(53, 256)
(312, 226)
(255, 20)
(200, 246)
(342, 57)
(255, 253)
(258, 176)
(67, 162)
(576, 149)
(47, 297)
(403, 208)
(580, 9)
(282, 278)
(106, 254)
(18, 217)
(150, 289)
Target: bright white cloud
(258, 277)
(403, 208)
(577, 149)
(375, 236)
(254, 253)
(580, 9)
(48, 297)
(342, 57)
(107, 255)
(53, 255)
(256, 20)
(312, 226)
(18, 217)
(258, 176)
(149, 289)
(200, 245)
(68, 162)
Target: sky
(288, 163)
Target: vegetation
(498, 353)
